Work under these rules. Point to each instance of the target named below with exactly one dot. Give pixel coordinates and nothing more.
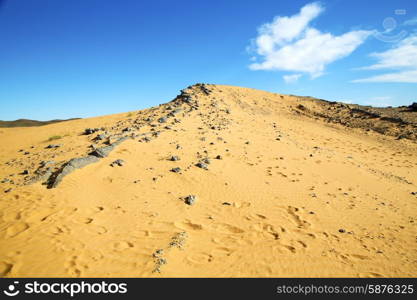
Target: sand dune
(283, 186)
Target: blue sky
(81, 58)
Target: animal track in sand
(231, 241)
(16, 229)
(266, 230)
(222, 251)
(40, 215)
(72, 268)
(123, 245)
(13, 216)
(226, 228)
(5, 268)
(188, 225)
(199, 258)
(301, 223)
(370, 275)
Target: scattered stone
(158, 253)
(25, 172)
(190, 199)
(44, 164)
(174, 158)
(100, 137)
(8, 190)
(178, 240)
(342, 230)
(414, 193)
(162, 119)
(226, 203)
(88, 131)
(118, 162)
(5, 180)
(206, 160)
(301, 107)
(26, 153)
(176, 170)
(175, 112)
(219, 157)
(53, 146)
(202, 165)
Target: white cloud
(291, 78)
(289, 44)
(411, 22)
(402, 59)
(381, 101)
(403, 76)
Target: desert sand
(283, 186)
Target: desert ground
(222, 181)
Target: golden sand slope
(290, 196)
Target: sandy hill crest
(220, 181)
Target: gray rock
(175, 112)
(206, 160)
(53, 146)
(219, 157)
(162, 119)
(202, 165)
(69, 167)
(103, 151)
(100, 137)
(88, 131)
(190, 199)
(174, 158)
(176, 170)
